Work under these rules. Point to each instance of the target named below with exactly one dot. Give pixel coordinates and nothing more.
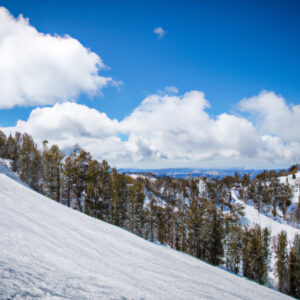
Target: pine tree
(215, 241)
(30, 163)
(3, 145)
(281, 262)
(106, 192)
(120, 198)
(80, 169)
(233, 246)
(11, 147)
(285, 197)
(266, 238)
(52, 169)
(294, 268)
(256, 254)
(14, 148)
(135, 211)
(75, 175)
(298, 211)
(93, 202)
(69, 177)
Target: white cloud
(160, 32)
(273, 116)
(41, 69)
(69, 124)
(170, 131)
(171, 89)
(178, 128)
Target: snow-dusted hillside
(294, 182)
(252, 216)
(50, 251)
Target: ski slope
(52, 252)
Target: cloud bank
(176, 131)
(42, 69)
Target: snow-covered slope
(4, 169)
(252, 216)
(294, 182)
(50, 251)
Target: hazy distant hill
(195, 172)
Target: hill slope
(50, 250)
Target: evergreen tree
(14, 147)
(106, 192)
(76, 174)
(52, 169)
(215, 241)
(282, 261)
(93, 202)
(256, 254)
(3, 145)
(266, 238)
(120, 195)
(135, 211)
(11, 148)
(294, 268)
(233, 246)
(69, 177)
(284, 199)
(30, 163)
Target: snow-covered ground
(252, 216)
(4, 169)
(50, 251)
(294, 182)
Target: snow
(294, 183)
(136, 176)
(4, 169)
(252, 216)
(51, 251)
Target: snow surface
(4, 169)
(252, 216)
(50, 251)
(294, 183)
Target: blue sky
(230, 50)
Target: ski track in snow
(50, 251)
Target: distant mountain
(195, 172)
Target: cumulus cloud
(41, 69)
(160, 32)
(179, 128)
(173, 130)
(69, 124)
(273, 116)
